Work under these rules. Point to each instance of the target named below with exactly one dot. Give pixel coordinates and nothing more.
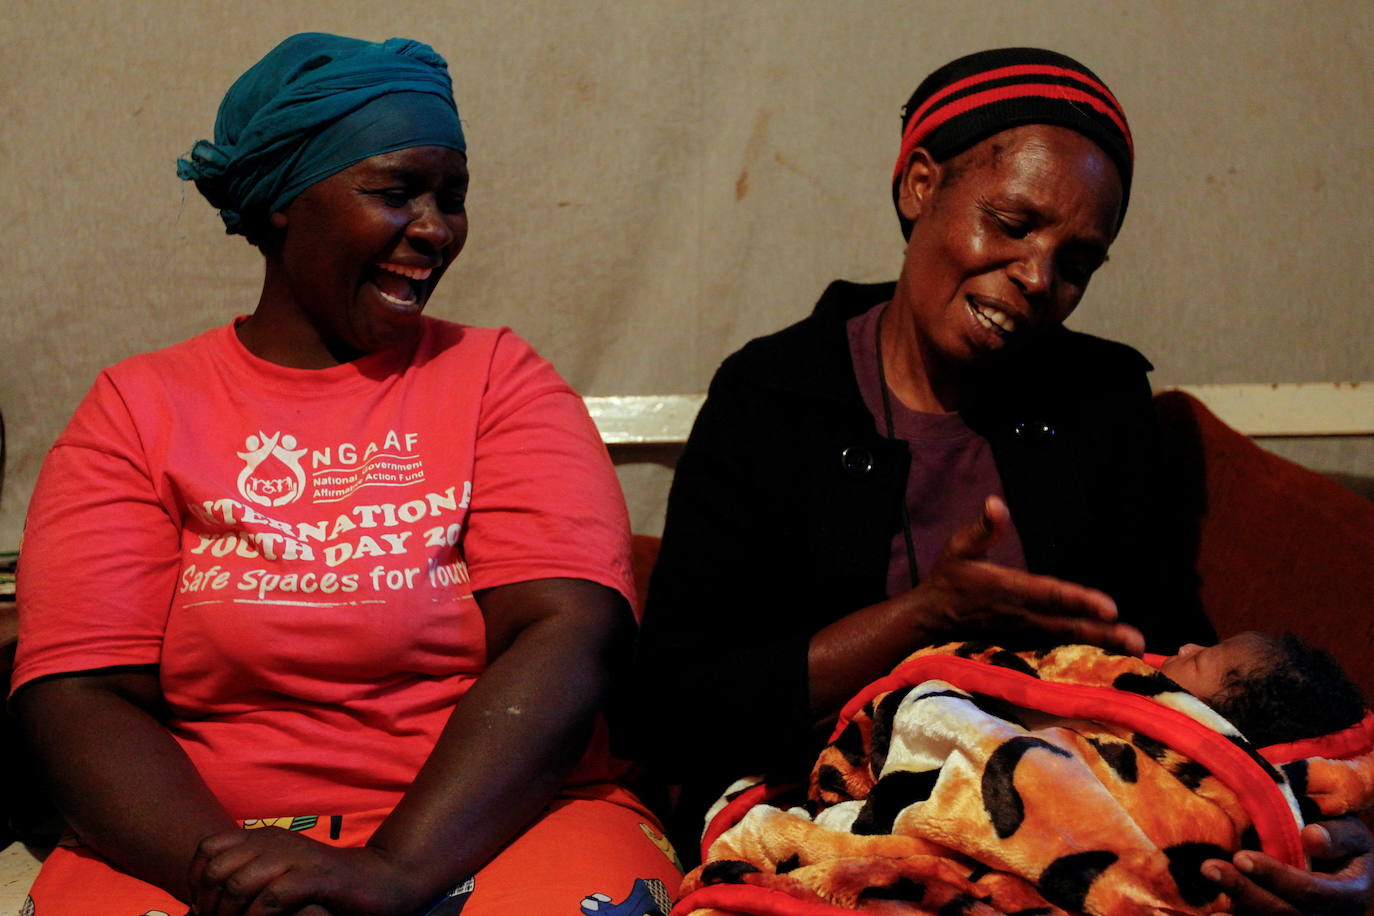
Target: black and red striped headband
(972, 98)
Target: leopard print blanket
(975, 780)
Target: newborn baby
(1275, 690)
(1067, 779)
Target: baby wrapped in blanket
(978, 780)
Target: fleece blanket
(977, 780)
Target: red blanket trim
(1348, 742)
(1256, 790)
(735, 810)
(748, 898)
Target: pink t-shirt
(298, 549)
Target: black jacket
(786, 499)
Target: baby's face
(1202, 670)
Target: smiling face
(1207, 671)
(1007, 235)
(358, 255)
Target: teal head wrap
(315, 105)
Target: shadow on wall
(634, 453)
(1364, 486)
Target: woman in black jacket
(849, 489)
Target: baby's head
(1274, 689)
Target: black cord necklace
(887, 416)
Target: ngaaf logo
(338, 472)
(272, 474)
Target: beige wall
(656, 182)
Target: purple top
(952, 470)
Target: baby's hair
(1299, 693)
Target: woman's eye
(1006, 223)
(453, 201)
(1076, 273)
(394, 197)
(1014, 228)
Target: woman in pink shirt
(345, 576)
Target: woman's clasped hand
(268, 871)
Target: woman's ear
(921, 178)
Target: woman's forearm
(123, 783)
(857, 649)
(509, 742)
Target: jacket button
(1035, 432)
(856, 460)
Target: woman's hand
(962, 596)
(965, 595)
(268, 871)
(1342, 853)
